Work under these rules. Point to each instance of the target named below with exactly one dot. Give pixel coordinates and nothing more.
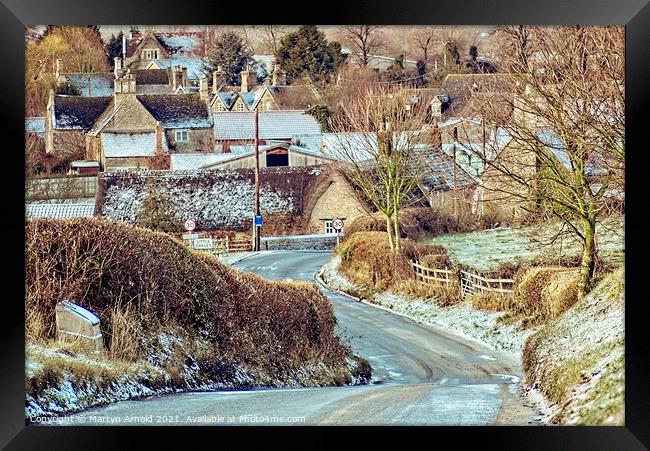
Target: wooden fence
(427, 275)
(475, 284)
(470, 283)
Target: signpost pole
(256, 228)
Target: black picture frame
(15, 14)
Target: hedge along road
(422, 375)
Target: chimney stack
(118, 67)
(279, 76)
(58, 68)
(436, 108)
(217, 79)
(179, 77)
(124, 87)
(203, 87)
(248, 79)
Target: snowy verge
(577, 360)
(462, 319)
(60, 382)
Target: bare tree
(365, 41)
(423, 40)
(383, 143)
(272, 36)
(567, 150)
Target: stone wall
(300, 242)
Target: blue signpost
(258, 220)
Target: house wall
(338, 201)
(499, 192)
(150, 42)
(267, 98)
(127, 162)
(200, 140)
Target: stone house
(129, 130)
(143, 48)
(102, 84)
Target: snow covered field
(488, 249)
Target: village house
(129, 130)
(293, 200)
(143, 48)
(166, 80)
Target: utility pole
(256, 228)
(455, 175)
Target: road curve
(422, 375)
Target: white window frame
(329, 229)
(178, 136)
(150, 54)
(240, 106)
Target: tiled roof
(178, 110)
(228, 98)
(182, 43)
(154, 89)
(273, 125)
(93, 85)
(35, 125)
(78, 112)
(151, 76)
(120, 145)
(59, 211)
(194, 65)
(461, 87)
(439, 172)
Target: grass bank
(172, 319)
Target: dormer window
(240, 106)
(182, 136)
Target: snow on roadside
(462, 319)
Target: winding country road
(422, 375)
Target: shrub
(141, 282)
(543, 293)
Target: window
(150, 54)
(328, 226)
(269, 105)
(240, 106)
(182, 136)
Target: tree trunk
(389, 230)
(396, 225)
(588, 257)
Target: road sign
(190, 236)
(203, 243)
(190, 225)
(337, 224)
(258, 220)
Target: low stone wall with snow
(299, 242)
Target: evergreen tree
(231, 53)
(114, 48)
(307, 51)
(159, 211)
(322, 114)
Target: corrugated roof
(78, 112)
(59, 211)
(35, 125)
(120, 145)
(178, 110)
(278, 125)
